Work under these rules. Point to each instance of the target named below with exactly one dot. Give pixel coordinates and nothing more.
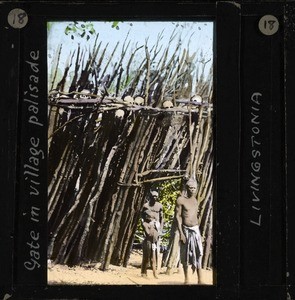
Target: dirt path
(61, 274)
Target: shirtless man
(191, 249)
(152, 223)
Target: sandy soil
(90, 274)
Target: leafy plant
(169, 191)
(115, 25)
(49, 26)
(80, 29)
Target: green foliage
(49, 26)
(115, 24)
(80, 29)
(169, 191)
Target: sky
(198, 36)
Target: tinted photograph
(130, 152)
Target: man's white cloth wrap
(192, 251)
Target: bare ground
(91, 275)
